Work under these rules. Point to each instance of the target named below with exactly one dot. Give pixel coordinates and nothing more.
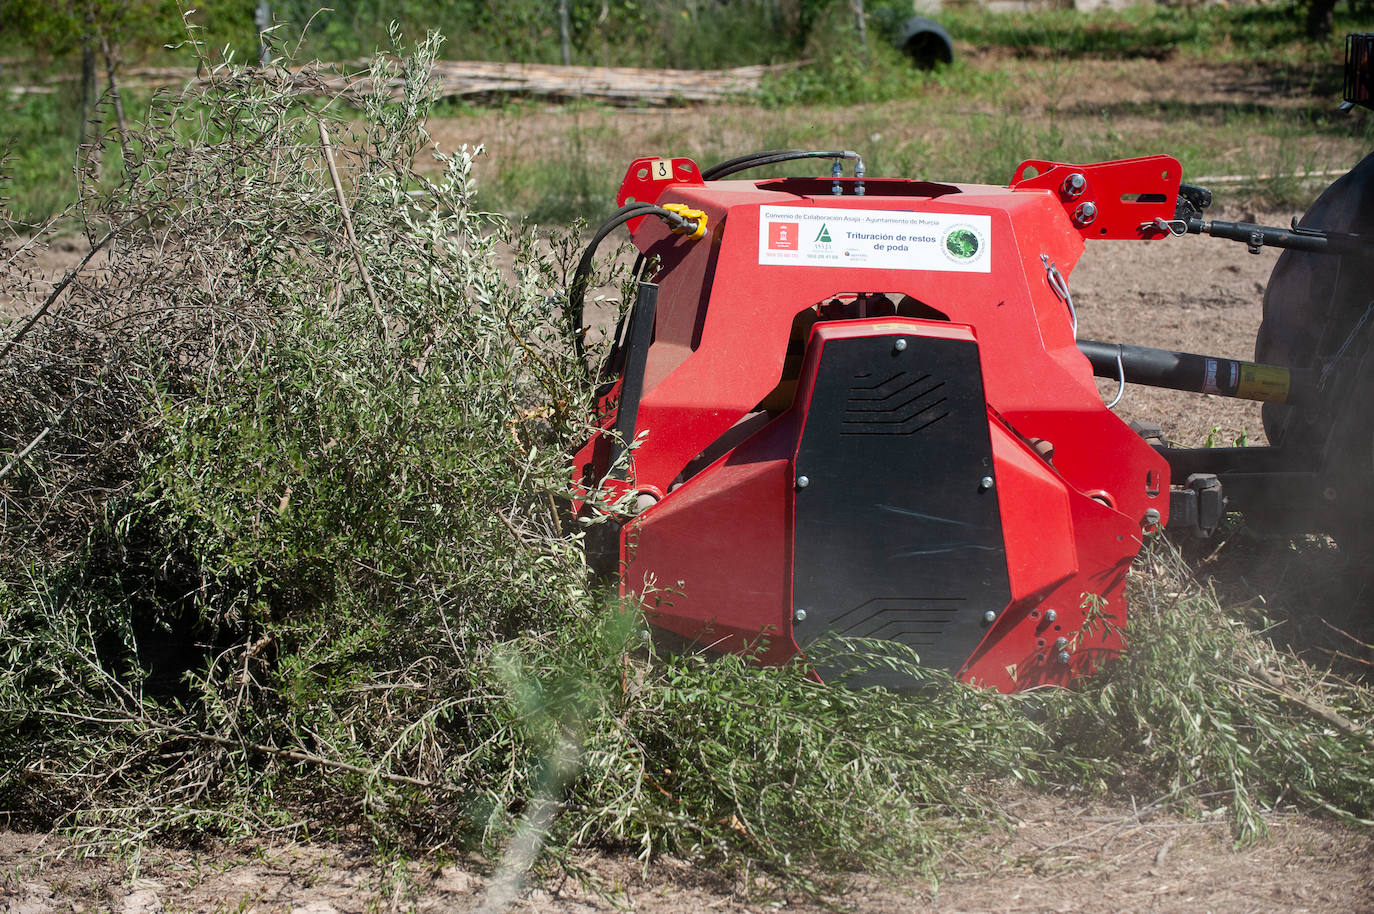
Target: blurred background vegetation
(644, 33)
(72, 70)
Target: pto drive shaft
(1188, 371)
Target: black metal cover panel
(897, 534)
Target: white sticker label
(874, 239)
(660, 169)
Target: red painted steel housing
(713, 557)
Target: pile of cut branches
(283, 477)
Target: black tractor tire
(1314, 306)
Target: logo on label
(962, 243)
(782, 236)
(824, 236)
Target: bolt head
(900, 345)
(1060, 643)
(803, 482)
(1074, 185)
(1051, 615)
(985, 483)
(1085, 214)
(1151, 517)
(799, 615)
(990, 616)
(1064, 657)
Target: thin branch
(292, 754)
(1326, 713)
(28, 448)
(348, 230)
(308, 758)
(57, 291)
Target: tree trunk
(860, 24)
(262, 18)
(563, 42)
(1320, 18)
(112, 64)
(88, 144)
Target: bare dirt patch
(1060, 854)
(30, 270)
(1192, 294)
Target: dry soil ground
(1053, 853)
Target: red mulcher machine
(860, 406)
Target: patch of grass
(628, 33)
(1269, 33)
(41, 155)
(572, 181)
(940, 137)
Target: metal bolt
(803, 482)
(1073, 186)
(1329, 494)
(1085, 214)
(1151, 517)
(985, 483)
(1051, 615)
(1060, 643)
(799, 615)
(644, 634)
(1064, 657)
(900, 345)
(990, 616)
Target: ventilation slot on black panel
(902, 403)
(914, 621)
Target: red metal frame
(712, 558)
(1129, 195)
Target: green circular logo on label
(962, 243)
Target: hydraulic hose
(776, 156)
(678, 222)
(730, 166)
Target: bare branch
(348, 229)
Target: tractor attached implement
(859, 406)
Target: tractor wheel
(1319, 318)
